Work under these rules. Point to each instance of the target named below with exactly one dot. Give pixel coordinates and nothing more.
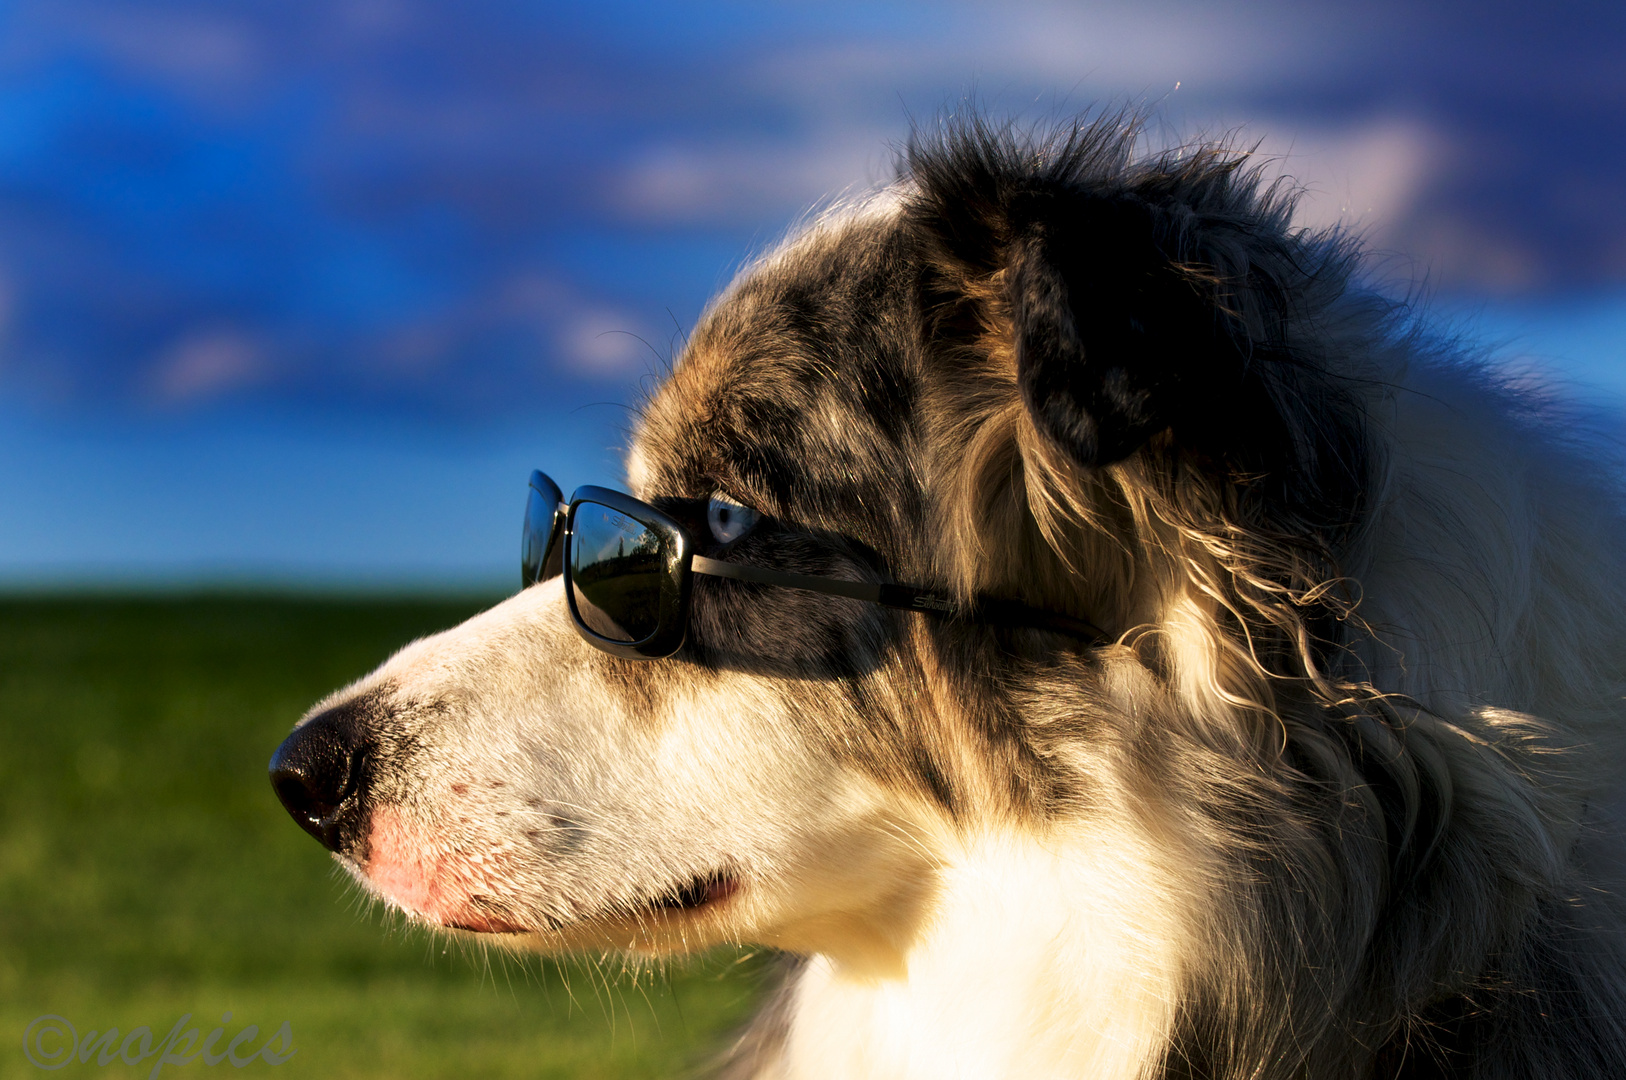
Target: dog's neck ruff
(1040, 961)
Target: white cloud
(1138, 48)
(205, 52)
(743, 181)
(605, 341)
(1379, 178)
(582, 333)
(593, 337)
(1368, 176)
(1022, 56)
(207, 363)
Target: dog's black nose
(319, 773)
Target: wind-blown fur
(1339, 797)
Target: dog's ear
(1113, 342)
(1116, 337)
(1133, 302)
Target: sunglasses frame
(672, 622)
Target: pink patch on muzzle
(402, 863)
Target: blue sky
(298, 291)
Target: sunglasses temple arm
(553, 558)
(858, 590)
(905, 597)
(553, 563)
(1011, 613)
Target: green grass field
(146, 869)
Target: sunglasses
(629, 568)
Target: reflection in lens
(617, 569)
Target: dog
(1334, 792)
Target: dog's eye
(728, 519)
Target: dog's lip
(483, 914)
(700, 891)
(485, 924)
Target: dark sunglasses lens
(542, 520)
(618, 570)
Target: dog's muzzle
(319, 773)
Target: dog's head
(1032, 369)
